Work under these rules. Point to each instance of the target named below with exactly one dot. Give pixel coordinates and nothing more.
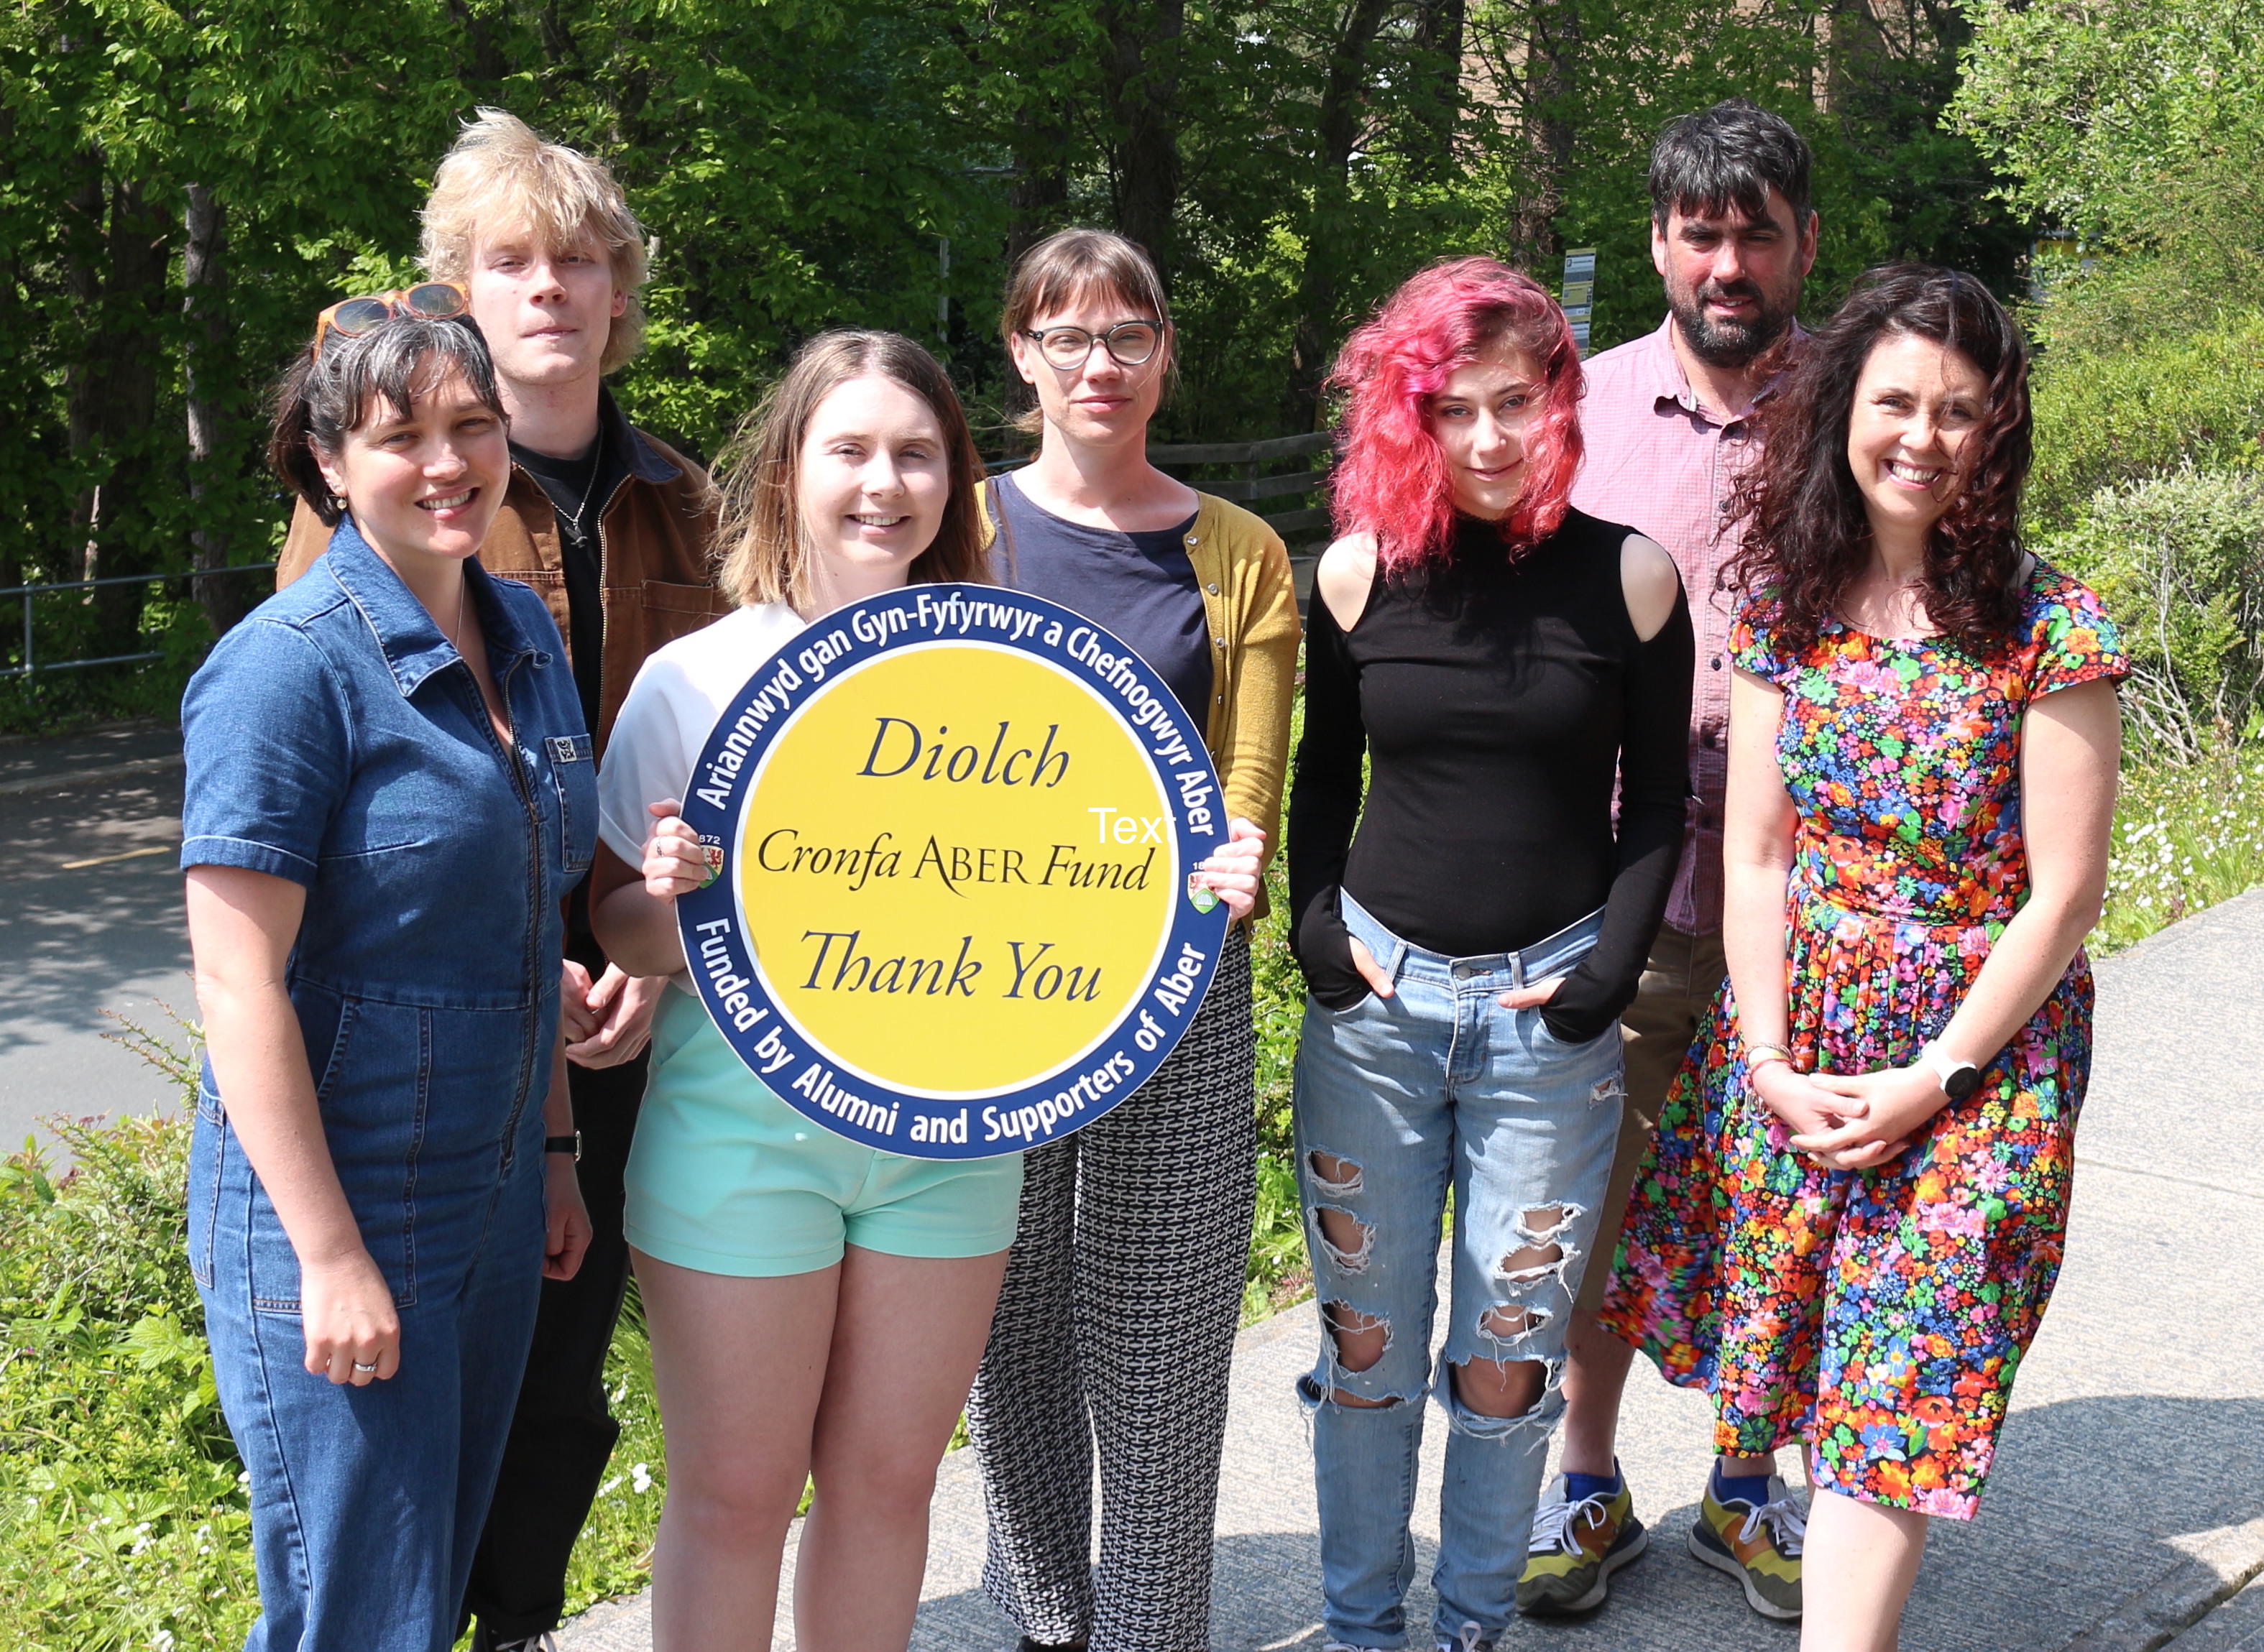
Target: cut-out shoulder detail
(1650, 582)
(1345, 576)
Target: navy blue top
(336, 737)
(1141, 586)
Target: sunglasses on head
(427, 300)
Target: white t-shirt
(671, 709)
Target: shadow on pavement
(2085, 1498)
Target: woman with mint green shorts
(817, 1307)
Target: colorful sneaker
(1576, 1548)
(1760, 1548)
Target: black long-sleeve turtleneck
(1496, 700)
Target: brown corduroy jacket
(653, 539)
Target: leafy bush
(2108, 418)
(1278, 1274)
(124, 1517)
(2179, 562)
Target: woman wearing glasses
(389, 792)
(1123, 1290)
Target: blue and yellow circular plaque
(951, 828)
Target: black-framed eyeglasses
(1128, 344)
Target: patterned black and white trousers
(1116, 1329)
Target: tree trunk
(486, 63)
(1142, 83)
(1553, 47)
(1440, 29)
(1038, 198)
(117, 277)
(207, 353)
(1327, 225)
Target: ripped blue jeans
(1398, 1099)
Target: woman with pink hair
(1499, 661)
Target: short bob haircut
(1071, 264)
(319, 403)
(1807, 536)
(500, 179)
(1390, 477)
(765, 548)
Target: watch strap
(1958, 1079)
(569, 1144)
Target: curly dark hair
(1807, 536)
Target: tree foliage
(2140, 130)
(188, 181)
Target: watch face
(1962, 1082)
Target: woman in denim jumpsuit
(389, 792)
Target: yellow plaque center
(957, 867)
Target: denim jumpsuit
(336, 738)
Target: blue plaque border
(802, 1073)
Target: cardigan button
(1212, 588)
(1221, 641)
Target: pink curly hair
(1390, 478)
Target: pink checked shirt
(1659, 463)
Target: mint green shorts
(724, 1177)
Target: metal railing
(25, 593)
(1299, 527)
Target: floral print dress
(1882, 1313)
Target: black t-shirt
(1496, 700)
(578, 490)
(1141, 586)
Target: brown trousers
(1680, 981)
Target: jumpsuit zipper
(511, 762)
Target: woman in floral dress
(1853, 1214)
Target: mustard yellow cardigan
(1249, 604)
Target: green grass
(2185, 838)
(123, 1517)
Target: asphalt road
(85, 943)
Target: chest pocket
(574, 774)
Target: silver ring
(359, 1366)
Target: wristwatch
(564, 1144)
(1958, 1079)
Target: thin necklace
(455, 637)
(597, 464)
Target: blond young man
(612, 528)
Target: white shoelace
(1467, 1640)
(1786, 1521)
(1553, 1524)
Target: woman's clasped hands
(1851, 1121)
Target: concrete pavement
(90, 921)
(2126, 1512)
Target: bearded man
(1668, 425)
